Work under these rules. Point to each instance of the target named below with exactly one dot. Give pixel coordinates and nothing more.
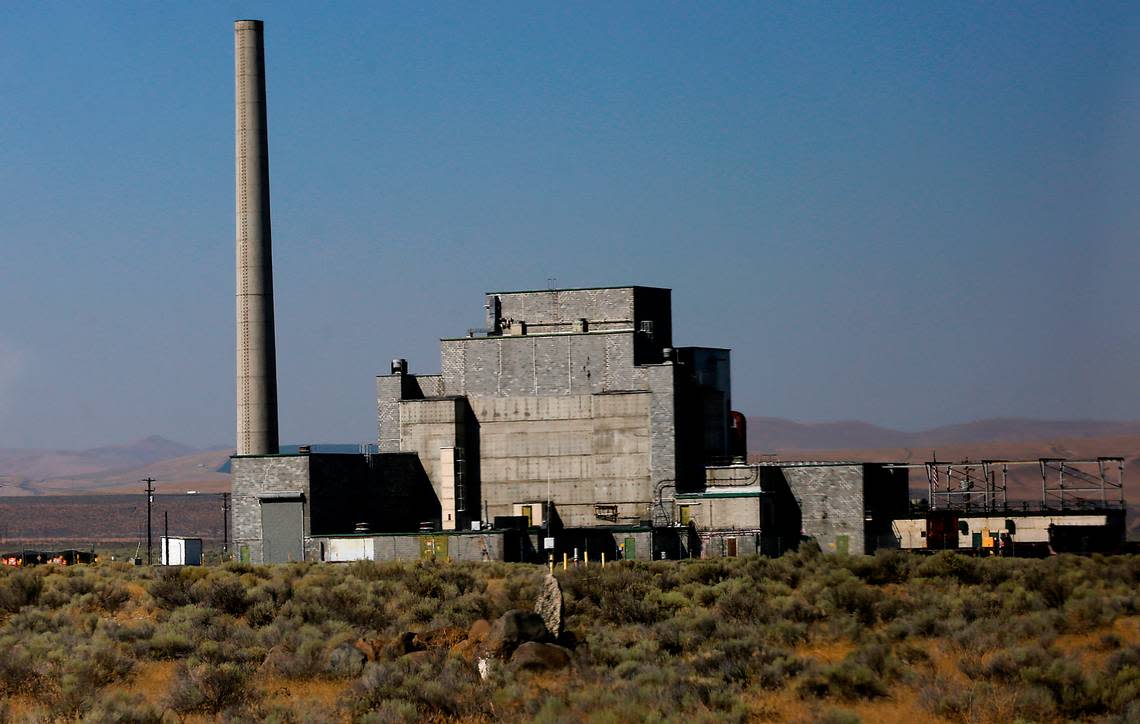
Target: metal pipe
(256, 348)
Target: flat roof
(581, 289)
(624, 330)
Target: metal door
(730, 547)
(282, 527)
(630, 549)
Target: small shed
(180, 551)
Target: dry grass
(826, 652)
(318, 693)
(152, 680)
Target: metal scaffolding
(1067, 484)
(982, 485)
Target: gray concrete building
(570, 410)
(571, 400)
(569, 423)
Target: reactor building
(569, 424)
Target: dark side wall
(389, 492)
(886, 496)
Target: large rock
(368, 648)
(513, 628)
(473, 644)
(479, 629)
(549, 605)
(534, 656)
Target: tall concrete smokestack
(256, 349)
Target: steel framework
(982, 485)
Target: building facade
(569, 423)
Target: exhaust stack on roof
(256, 349)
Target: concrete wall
(721, 544)
(390, 390)
(468, 546)
(255, 476)
(561, 310)
(825, 501)
(539, 365)
(714, 512)
(387, 492)
(831, 504)
(428, 425)
(584, 449)
(595, 542)
(663, 452)
(1027, 528)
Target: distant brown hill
(772, 434)
(33, 464)
(112, 469)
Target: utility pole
(149, 499)
(226, 526)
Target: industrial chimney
(256, 350)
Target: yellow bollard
(550, 562)
(586, 558)
(563, 561)
(603, 559)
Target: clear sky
(910, 213)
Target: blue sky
(911, 214)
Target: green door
(841, 545)
(977, 539)
(630, 549)
(433, 547)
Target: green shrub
(886, 566)
(951, 565)
(171, 588)
(438, 688)
(20, 588)
(17, 667)
(226, 594)
(211, 688)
